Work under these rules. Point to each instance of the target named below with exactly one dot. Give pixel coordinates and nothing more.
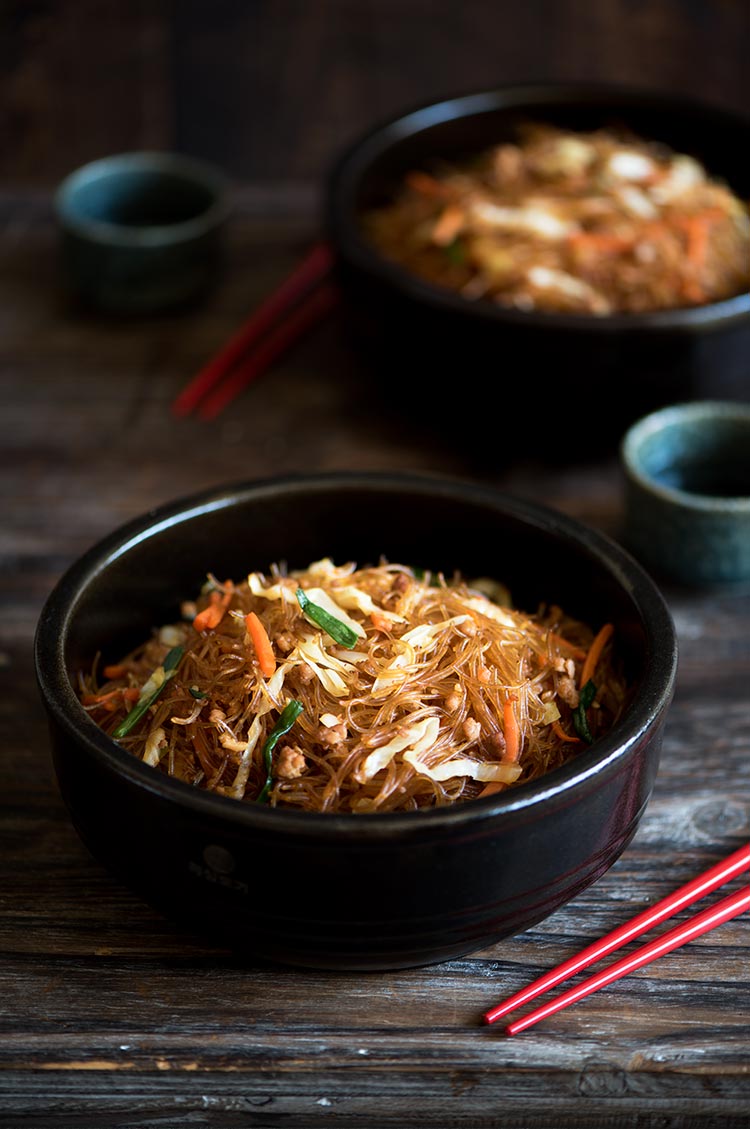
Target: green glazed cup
(687, 492)
(141, 232)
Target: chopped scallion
(287, 718)
(456, 252)
(580, 720)
(338, 631)
(150, 691)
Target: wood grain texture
(274, 90)
(109, 1014)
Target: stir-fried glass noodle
(595, 223)
(369, 689)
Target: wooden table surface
(110, 1015)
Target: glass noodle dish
(360, 689)
(570, 222)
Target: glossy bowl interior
(346, 891)
(576, 381)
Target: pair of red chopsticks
(302, 300)
(727, 908)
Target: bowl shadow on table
(495, 396)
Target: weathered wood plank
(273, 91)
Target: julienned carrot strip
(425, 184)
(511, 732)
(558, 730)
(214, 612)
(696, 228)
(594, 652)
(97, 699)
(128, 693)
(512, 752)
(115, 670)
(696, 233)
(211, 614)
(603, 241)
(693, 291)
(575, 651)
(491, 788)
(449, 223)
(697, 240)
(262, 644)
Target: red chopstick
(715, 876)
(723, 911)
(299, 321)
(305, 297)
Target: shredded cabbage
(446, 694)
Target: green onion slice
(456, 252)
(332, 626)
(150, 691)
(287, 718)
(580, 720)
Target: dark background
(273, 89)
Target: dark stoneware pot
(557, 386)
(346, 891)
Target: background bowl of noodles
(354, 889)
(576, 378)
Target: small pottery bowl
(141, 232)
(367, 891)
(687, 491)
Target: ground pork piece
(401, 582)
(291, 763)
(496, 743)
(471, 728)
(566, 688)
(332, 734)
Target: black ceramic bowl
(570, 382)
(353, 891)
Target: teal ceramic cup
(687, 492)
(141, 232)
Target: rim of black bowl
(63, 705)
(193, 171)
(344, 228)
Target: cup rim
(670, 416)
(196, 172)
